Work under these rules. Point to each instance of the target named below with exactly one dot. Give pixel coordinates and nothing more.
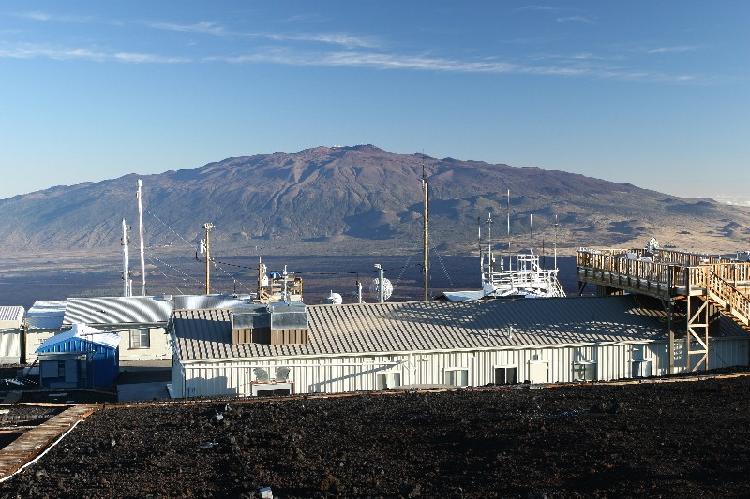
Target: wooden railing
(725, 294)
(656, 272)
(668, 268)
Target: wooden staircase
(731, 300)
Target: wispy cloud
(388, 61)
(32, 51)
(575, 19)
(42, 16)
(672, 50)
(202, 28)
(216, 29)
(540, 8)
(584, 64)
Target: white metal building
(11, 335)
(376, 346)
(140, 321)
(43, 320)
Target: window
(506, 375)
(584, 370)
(388, 380)
(457, 376)
(140, 338)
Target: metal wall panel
(10, 346)
(352, 373)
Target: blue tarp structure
(82, 357)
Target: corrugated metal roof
(81, 332)
(11, 313)
(141, 309)
(198, 302)
(117, 310)
(425, 326)
(47, 315)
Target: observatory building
(287, 348)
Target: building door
(71, 372)
(538, 371)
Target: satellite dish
(282, 373)
(375, 288)
(333, 299)
(261, 374)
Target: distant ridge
(349, 196)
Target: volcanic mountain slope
(362, 197)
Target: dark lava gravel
(688, 439)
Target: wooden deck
(33, 442)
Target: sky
(655, 93)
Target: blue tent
(82, 357)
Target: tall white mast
(556, 224)
(490, 263)
(510, 257)
(531, 230)
(140, 230)
(125, 262)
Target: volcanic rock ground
(687, 439)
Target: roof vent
(275, 324)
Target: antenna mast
(510, 257)
(490, 262)
(425, 249)
(207, 227)
(556, 224)
(531, 228)
(125, 260)
(140, 230)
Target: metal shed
(81, 357)
(388, 345)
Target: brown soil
(687, 439)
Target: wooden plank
(32, 443)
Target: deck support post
(669, 306)
(697, 332)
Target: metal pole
(381, 291)
(359, 292)
(125, 259)
(510, 257)
(425, 237)
(556, 224)
(140, 229)
(382, 286)
(490, 264)
(207, 227)
(479, 245)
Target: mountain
(361, 199)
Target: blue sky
(650, 92)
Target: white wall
(160, 346)
(33, 339)
(351, 373)
(10, 346)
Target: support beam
(669, 307)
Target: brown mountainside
(360, 198)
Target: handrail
(724, 293)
